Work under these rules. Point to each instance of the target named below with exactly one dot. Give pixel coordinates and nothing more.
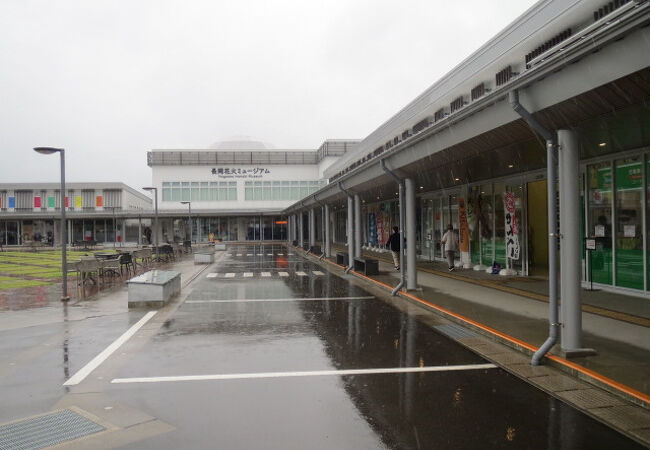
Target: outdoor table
(105, 255)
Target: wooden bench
(367, 266)
(153, 288)
(342, 258)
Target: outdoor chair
(126, 262)
(89, 270)
(111, 267)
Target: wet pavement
(266, 349)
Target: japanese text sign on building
(240, 172)
(512, 238)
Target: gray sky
(110, 80)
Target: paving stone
(624, 417)
(590, 398)
(643, 435)
(558, 383)
(529, 371)
(509, 358)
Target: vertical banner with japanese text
(512, 234)
(463, 238)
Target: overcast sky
(110, 80)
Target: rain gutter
(554, 322)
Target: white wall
(162, 174)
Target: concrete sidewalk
(615, 325)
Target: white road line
(212, 275)
(108, 351)
(228, 254)
(266, 274)
(269, 254)
(280, 254)
(238, 254)
(315, 373)
(295, 299)
(318, 272)
(249, 254)
(291, 254)
(230, 275)
(301, 274)
(248, 274)
(283, 274)
(260, 254)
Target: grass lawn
(26, 269)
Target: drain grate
(455, 331)
(47, 430)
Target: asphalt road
(271, 351)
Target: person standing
(393, 245)
(450, 241)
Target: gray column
(326, 231)
(301, 237)
(312, 227)
(411, 268)
(570, 263)
(350, 228)
(357, 226)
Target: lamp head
(150, 188)
(186, 203)
(47, 150)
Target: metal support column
(357, 226)
(400, 185)
(326, 230)
(570, 263)
(301, 237)
(312, 227)
(350, 228)
(411, 225)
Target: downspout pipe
(350, 228)
(324, 237)
(554, 322)
(402, 262)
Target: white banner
(512, 234)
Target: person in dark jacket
(393, 245)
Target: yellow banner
(77, 202)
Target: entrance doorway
(537, 229)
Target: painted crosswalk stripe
(269, 254)
(318, 272)
(291, 254)
(248, 274)
(301, 274)
(228, 254)
(314, 373)
(266, 274)
(280, 254)
(260, 254)
(283, 274)
(230, 275)
(212, 275)
(249, 254)
(238, 254)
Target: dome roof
(240, 143)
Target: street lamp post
(155, 223)
(189, 217)
(64, 233)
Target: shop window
(599, 226)
(629, 240)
